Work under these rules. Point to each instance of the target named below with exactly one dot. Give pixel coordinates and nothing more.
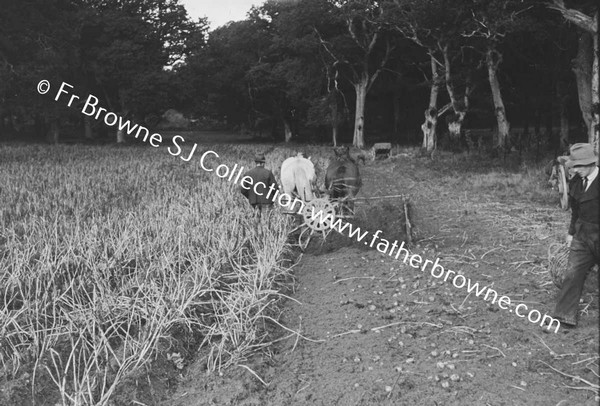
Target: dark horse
(342, 179)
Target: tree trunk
(586, 61)
(288, 130)
(460, 107)
(40, 125)
(334, 121)
(429, 127)
(15, 123)
(124, 113)
(431, 114)
(503, 124)
(359, 117)
(54, 132)
(397, 112)
(563, 99)
(582, 68)
(455, 125)
(3, 115)
(87, 128)
(537, 129)
(564, 128)
(120, 137)
(526, 134)
(550, 124)
(595, 127)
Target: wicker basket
(558, 256)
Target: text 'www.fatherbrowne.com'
(437, 271)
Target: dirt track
(437, 352)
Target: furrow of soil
(375, 331)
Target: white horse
(298, 174)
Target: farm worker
(583, 237)
(262, 189)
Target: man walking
(583, 237)
(261, 191)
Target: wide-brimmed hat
(260, 158)
(581, 154)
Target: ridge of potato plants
(105, 254)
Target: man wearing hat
(583, 236)
(260, 191)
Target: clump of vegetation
(525, 180)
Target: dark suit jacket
(260, 174)
(584, 205)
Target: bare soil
(373, 331)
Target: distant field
(208, 137)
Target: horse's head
(303, 154)
(342, 152)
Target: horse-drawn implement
(560, 177)
(320, 208)
(317, 217)
(324, 209)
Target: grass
(106, 252)
(516, 178)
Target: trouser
(584, 253)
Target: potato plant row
(106, 252)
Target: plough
(321, 214)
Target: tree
(437, 26)
(124, 43)
(102, 47)
(289, 77)
(36, 42)
(267, 69)
(536, 73)
(429, 126)
(361, 52)
(585, 65)
(218, 71)
(492, 21)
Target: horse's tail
(347, 181)
(357, 184)
(338, 184)
(303, 186)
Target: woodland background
(404, 71)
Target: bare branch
(493, 57)
(578, 18)
(468, 90)
(516, 13)
(441, 65)
(388, 50)
(373, 41)
(337, 60)
(470, 34)
(349, 22)
(447, 72)
(324, 44)
(444, 109)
